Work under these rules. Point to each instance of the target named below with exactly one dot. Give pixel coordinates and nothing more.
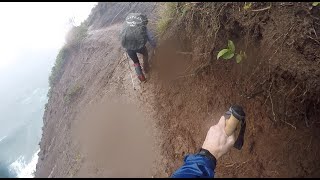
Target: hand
(217, 142)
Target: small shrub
(49, 91)
(229, 53)
(76, 35)
(57, 69)
(46, 106)
(72, 93)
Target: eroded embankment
(278, 85)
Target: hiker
(203, 163)
(134, 37)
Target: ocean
(19, 148)
(23, 95)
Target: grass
(73, 40)
(171, 10)
(76, 166)
(166, 16)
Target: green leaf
(228, 55)
(315, 3)
(238, 58)
(222, 52)
(247, 6)
(231, 46)
(244, 55)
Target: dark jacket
(133, 40)
(151, 39)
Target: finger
(231, 139)
(222, 122)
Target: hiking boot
(141, 78)
(139, 72)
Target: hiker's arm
(151, 39)
(196, 166)
(216, 143)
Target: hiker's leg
(137, 67)
(144, 52)
(139, 72)
(133, 55)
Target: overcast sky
(35, 26)
(31, 35)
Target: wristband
(207, 154)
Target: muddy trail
(112, 118)
(94, 107)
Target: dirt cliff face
(278, 85)
(115, 126)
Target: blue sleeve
(196, 166)
(151, 39)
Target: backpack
(134, 31)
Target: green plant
(242, 55)
(171, 11)
(229, 53)
(46, 106)
(72, 92)
(247, 6)
(73, 39)
(186, 7)
(49, 91)
(60, 60)
(315, 3)
(76, 35)
(57, 69)
(166, 16)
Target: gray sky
(36, 25)
(30, 36)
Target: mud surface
(118, 127)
